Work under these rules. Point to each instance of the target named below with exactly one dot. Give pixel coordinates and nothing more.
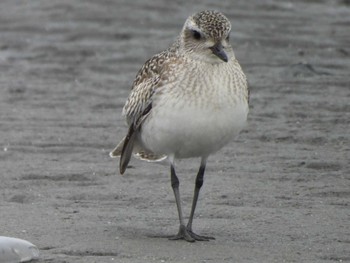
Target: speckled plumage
(187, 101)
(160, 71)
(214, 25)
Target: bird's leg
(198, 185)
(183, 232)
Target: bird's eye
(196, 35)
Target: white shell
(14, 250)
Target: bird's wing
(129, 140)
(139, 105)
(148, 80)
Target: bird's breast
(197, 115)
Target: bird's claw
(188, 235)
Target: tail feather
(127, 149)
(130, 144)
(117, 151)
(138, 151)
(149, 156)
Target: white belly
(186, 131)
(198, 112)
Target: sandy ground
(279, 193)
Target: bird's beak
(218, 50)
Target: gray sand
(279, 193)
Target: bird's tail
(117, 151)
(139, 152)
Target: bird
(188, 101)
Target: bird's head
(205, 37)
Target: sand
(279, 193)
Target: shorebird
(187, 101)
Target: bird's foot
(189, 236)
(199, 237)
(183, 234)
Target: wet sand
(279, 193)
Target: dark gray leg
(199, 183)
(183, 233)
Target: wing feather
(138, 107)
(130, 138)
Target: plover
(187, 101)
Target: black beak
(218, 50)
